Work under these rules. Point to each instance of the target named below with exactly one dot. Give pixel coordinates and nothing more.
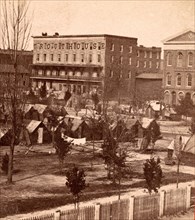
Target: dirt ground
(37, 182)
(39, 186)
(190, 215)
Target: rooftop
(150, 76)
(85, 35)
(7, 68)
(22, 52)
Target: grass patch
(38, 185)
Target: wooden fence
(146, 206)
(114, 211)
(175, 201)
(143, 207)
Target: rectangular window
(130, 49)
(112, 47)
(129, 60)
(190, 59)
(138, 53)
(111, 73)
(99, 58)
(112, 59)
(84, 89)
(137, 63)
(82, 58)
(90, 58)
(44, 57)
(129, 74)
(74, 88)
(158, 55)
(121, 60)
(150, 64)
(144, 64)
(145, 54)
(168, 79)
(157, 65)
(59, 57)
(169, 59)
(66, 57)
(51, 57)
(74, 57)
(121, 48)
(121, 74)
(38, 57)
(150, 54)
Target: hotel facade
(82, 63)
(179, 68)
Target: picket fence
(142, 207)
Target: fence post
(57, 215)
(162, 203)
(188, 196)
(131, 207)
(97, 211)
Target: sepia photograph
(97, 109)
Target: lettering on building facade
(70, 46)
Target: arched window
(179, 59)
(169, 59)
(181, 95)
(178, 79)
(168, 79)
(190, 59)
(189, 79)
(193, 98)
(173, 98)
(188, 95)
(167, 98)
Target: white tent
(189, 147)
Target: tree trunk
(10, 166)
(178, 163)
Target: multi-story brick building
(179, 67)
(83, 62)
(24, 65)
(149, 59)
(149, 74)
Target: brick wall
(148, 89)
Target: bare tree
(15, 34)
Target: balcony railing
(66, 77)
(67, 65)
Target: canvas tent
(38, 132)
(76, 126)
(40, 109)
(134, 130)
(31, 113)
(171, 114)
(188, 151)
(4, 136)
(154, 109)
(151, 132)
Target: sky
(149, 21)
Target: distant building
(149, 74)
(148, 59)
(82, 63)
(24, 65)
(179, 67)
(149, 87)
